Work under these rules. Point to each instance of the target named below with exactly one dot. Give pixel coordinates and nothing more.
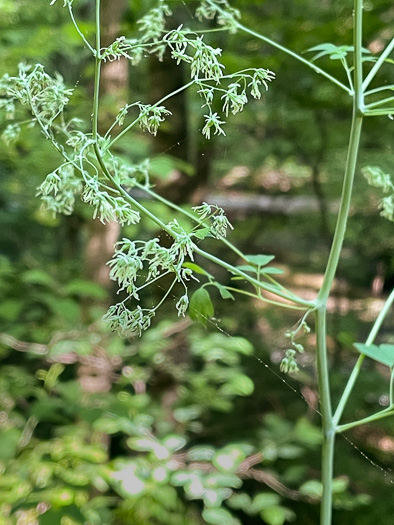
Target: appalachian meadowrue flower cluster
(91, 173)
(377, 178)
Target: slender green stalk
(328, 425)
(379, 103)
(200, 223)
(251, 280)
(97, 71)
(232, 269)
(298, 57)
(326, 410)
(379, 112)
(357, 367)
(389, 87)
(128, 128)
(378, 64)
(70, 10)
(374, 417)
(356, 90)
(261, 298)
(343, 213)
(354, 142)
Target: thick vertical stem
(328, 423)
(340, 229)
(322, 361)
(326, 410)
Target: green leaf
(334, 52)
(107, 425)
(219, 517)
(312, 488)
(220, 479)
(240, 385)
(240, 501)
(247, 268)
(259, 260)
(69, 346)
(187, 413)
(66, 308)
(277, 515)
(149, 445)
(290, 451)
(163, 166)
(340, 485)
(201, 453)
(202, 233)
(272, 270)
(306, 433)
(223, 291)
(61, 497)
(85, 288)
(383, 353)
(49, 409)
(174, 442)
(263, 500)
(229, 458)
(37, 277)
(10, 309)
(196, 269)
(201, 307)
(252, 269)
(9, 443)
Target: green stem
(390, 87)
(379, 112)
(326, 411)
(260, 298)
(328, 425)
(357, 367)
(251, 280)
(289, 295)
(97, 71)
(298, 57)
(187, 214)
(391, 396)
(70, 10)
(348, 73)
(387, 412)
(354, 142)
(343, 214)
(379, 103)
(378, 65)
(128, 128)
(232, 269)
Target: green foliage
(167, 390)
(70, 474)
(201, 307)
(383, 353)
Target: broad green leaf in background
(219, 517)
(383, 353)
(277, 515)
(84, 288)
(201, 307)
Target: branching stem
(298, 57)
(357, 367)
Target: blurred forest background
(192, 424)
